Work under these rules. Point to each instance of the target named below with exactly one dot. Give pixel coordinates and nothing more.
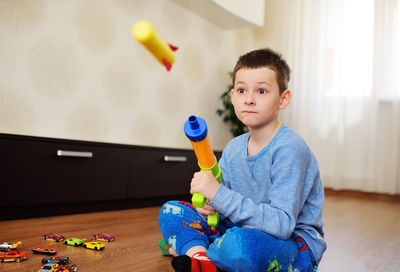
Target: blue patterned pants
(230, 247)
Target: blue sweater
(278, 190)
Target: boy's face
(255, 97)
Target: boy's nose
(249, 100)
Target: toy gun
(196, 130)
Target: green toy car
(74, 241)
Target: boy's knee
(176, 208)
(244, 250)
(234, 251)
(171, 207)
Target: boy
(272, 198)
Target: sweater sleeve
(276, 215)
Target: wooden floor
(362, 232)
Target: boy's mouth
(248, 111)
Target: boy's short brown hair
(265, 58)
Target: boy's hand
(206, 210)
(204, 183)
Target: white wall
(71, 69)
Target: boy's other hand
(206, 210)
(204, 183)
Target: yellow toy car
(94, 245)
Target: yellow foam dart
(145, 33)
(196, 130)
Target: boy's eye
(240, 90)
(262, 91)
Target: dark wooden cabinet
(45, 176)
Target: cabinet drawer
(33, 173)
(152, 174)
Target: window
(349, 49)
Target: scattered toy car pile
(9, 252)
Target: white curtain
(345, 59)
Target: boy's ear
(286, 96)
(232, 96)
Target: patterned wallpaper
(72, 69)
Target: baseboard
(361, 195)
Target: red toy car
(66, 268)
(54, 237)
(103, 237)
(13, 256)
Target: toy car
(49, 267)
(94, 245)
(57, 260)
(6, 246)
(13, 256)
(66, 268)
(47, 251)
(53, 237)
(103, 237)
(74, 241)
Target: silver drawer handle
(175, 158)
(80, 154)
